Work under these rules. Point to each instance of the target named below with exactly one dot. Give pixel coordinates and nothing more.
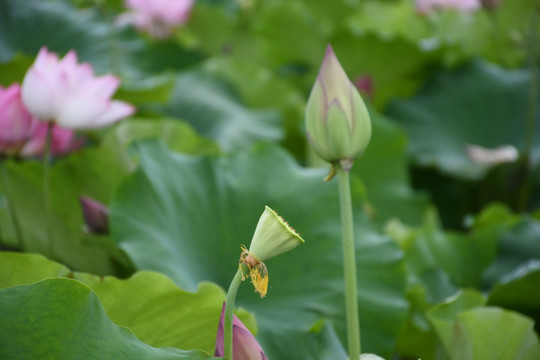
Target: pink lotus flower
(245, 346)
(16, 124)
(425, 6)
(156, 17)
(69, 94)
(23, 134)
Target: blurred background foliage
(448, 247)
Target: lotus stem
(47, 188)
(229, 312)
(9, 200)
(349, 263)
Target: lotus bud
(337, 121)
(273, 236)
(95, 214)
(245, 346)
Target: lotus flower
(95, 214)
(16, 123)
(425, 6)
(337, 122)
(23, 134)
(156, 17)
(69, 94)
(245, 346)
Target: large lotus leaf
(520, 290)
(187, 218)
(178, 135)
(211, 107)
(63, 319)
(479, 104)
(443, 316)
(275, 24)
(148, 303)
(493, 333)
(392, 19)
(462, 257)
(22, 269)
(158, 312)
(217, 29)
(260, 87)
(470, 331)
(81, 174)
(516, 247)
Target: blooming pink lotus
(16, 124)
(156, 17)
(69, 94)
(424, 6)
(245, 346)
(23, 134)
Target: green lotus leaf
(187, 217)
(63, 318)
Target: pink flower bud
(69, 94)
(16, 123)
(365, 84)
(96, 215)
(156, 17)
(245, 346)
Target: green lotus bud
(338, 126)
(273, 236)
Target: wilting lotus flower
(337, 122)
(424, 6)
(95, 214)
(245, 346)
(69, 94)
(156, 17)
(23, 134)
(273, 236)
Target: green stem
(349, 263)
(533, 90)
(11, 212)
(229, 309)
(47, 189)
